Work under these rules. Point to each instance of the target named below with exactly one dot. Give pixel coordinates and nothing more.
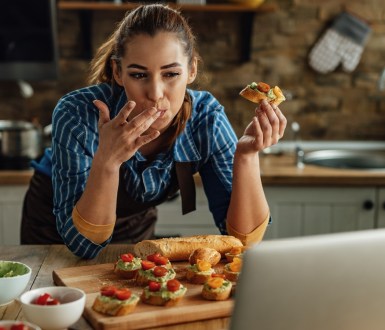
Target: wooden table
(43, 259)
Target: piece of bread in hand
(217, 287)
(180, 248)
(114, 301)
(207, 254)
(199, 273)
(163, 294)
(256, 92)
(127, 266)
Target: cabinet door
(171, 222)
(11, 203)
(299, 211)
(381, 208)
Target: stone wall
(335, 106)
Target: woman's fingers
(143, 120)
(104, 112)
(273, 122)
(124, 113)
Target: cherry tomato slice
(127, 257)
(123, 294)
(108, 291)
(160, 271)
(146, 265)
(152, 257)
(263, 87)
(42, 299)
(19, 326)
(53, 301)
(173, 285)
(161, 260)
(154, 286)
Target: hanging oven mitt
(343, 43)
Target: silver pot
(20, 141)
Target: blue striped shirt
(208, 141)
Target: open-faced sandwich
(151, 272)
(159, 260)
(236, 251)
(115, 301)
(163, 294)
(217, 287)
(127, 265)
(199, 272)
(256, 92)
(233, 269)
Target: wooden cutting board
(191, 308)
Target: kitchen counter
(43, 259)
(281, 170)
(15, 177)
(276, 170)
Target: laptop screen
(334, 281)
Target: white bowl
(52, 317)
(13, 286)
(8, 324)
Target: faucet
(298, 151)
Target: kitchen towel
(343, 43)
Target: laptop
(328, 282)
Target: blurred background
(268, 43)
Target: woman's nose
(155, 91)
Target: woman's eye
(138, 75)
(171, 74)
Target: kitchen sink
(346, 159)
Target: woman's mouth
(161, 113)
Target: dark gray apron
(135, 221)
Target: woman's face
(154, 73)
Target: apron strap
(186, 183)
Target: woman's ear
(116, 71)
(193, 71)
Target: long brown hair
(145, 19)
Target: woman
(124, 145)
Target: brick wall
(339, 105)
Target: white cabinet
(11, 204)
(381, 208)
(171, 222)
(298, 211)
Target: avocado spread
(133, 265)
(164, 293)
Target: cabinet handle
(383, 205)
(368, 205)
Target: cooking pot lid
(12, 125)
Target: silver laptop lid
(328, 282)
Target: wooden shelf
(87, 5)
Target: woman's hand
(265, 130)
(120, 138)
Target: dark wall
(339, 105)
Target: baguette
(180, 248)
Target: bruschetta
(163, 294)
(115, 301)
